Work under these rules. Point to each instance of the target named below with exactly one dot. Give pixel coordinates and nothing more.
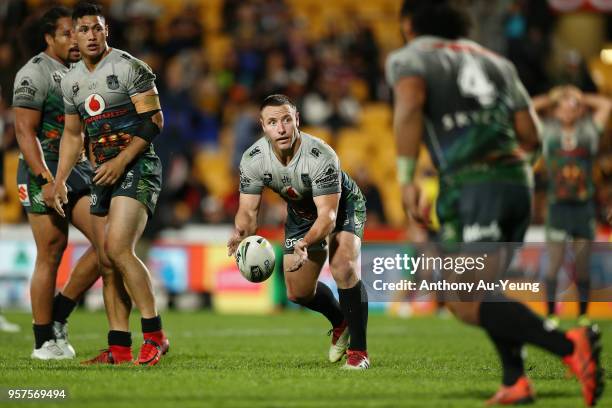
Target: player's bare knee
(344, 271)
(116, 252)
(300, 296)
(50, 249)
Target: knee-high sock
(354, 304)
(510, 353)
(510, 320)
(325, 303)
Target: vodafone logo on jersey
(94, 104)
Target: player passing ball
(325, 209)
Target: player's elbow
(329, 220)
(158, 119)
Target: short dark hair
(276, 100)
(48, 22)
(86, 9)
(441, 18)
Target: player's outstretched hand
(60, 197)
(235, 239)
(109, 172)
(300, 250)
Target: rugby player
(112, 95)
(474, 111)
(39, 122)
(323, 203)
(570, 139)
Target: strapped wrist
(405, 169)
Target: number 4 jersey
(472, 94)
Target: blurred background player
(572, 126)
(114, 95)
(39, 122)
(322, 201)
(476, 112)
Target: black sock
(354, 304)
(511, 357)
(551, 290)
(42, 333)
(119, 338)
(151, 325)
(584, 288)
(62, 307)
(325, 303)
(513, 321)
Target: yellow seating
(10, 208)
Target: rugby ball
(255, 258)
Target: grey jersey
(472, 94)
(37, 86)
(102, 98)
(313, 171)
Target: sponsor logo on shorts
(477, 232)
(24, 197)
(129, 180)
(93, 199)
(290, 242)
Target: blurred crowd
(216, 59)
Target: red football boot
(521, 392)
(111, 355)
(584, 362)
(155, 345)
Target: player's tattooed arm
(327, 211)
(27, 122)
(408, 127)
(71, 146)
(148, 107)
(245, 222)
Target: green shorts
(570, 220)
(351, 218)
(141, 181)
(30, 193)
(484, 212)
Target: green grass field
(280, 361)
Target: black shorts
(484, 212)
(570, 220)
(351, 218)
(30, 192)
(141, 181)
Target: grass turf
(280, 361)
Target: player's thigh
(127, 219)
(82, 219)
(301, 284)
(50, 234)
(344, 250)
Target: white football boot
(340, 341)
(49, 351)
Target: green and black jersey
(472, 94)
